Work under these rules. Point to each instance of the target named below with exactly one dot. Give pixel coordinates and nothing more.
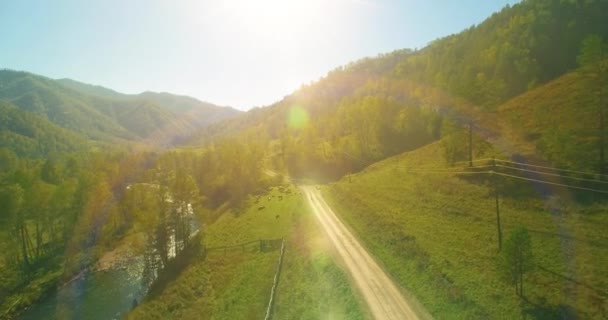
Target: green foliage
(57, 217)
(28, 135)
(516, 258)
(594, 52)
(512, 51)
(559, 120)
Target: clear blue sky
(242, 53)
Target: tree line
(60, 214)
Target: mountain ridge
(105, 115)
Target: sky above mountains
(241, 53)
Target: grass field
(236, 284)
(436, 235)
(558, 120)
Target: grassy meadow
(236, 284)
(436, 234)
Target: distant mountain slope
(202, 113)
(156, 116)
(29, 135)
(199, 112)
(90, 89)
(62, 106)
(102, 114)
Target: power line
(511, 176)
(478, 160)
(552, 174)
(550, 168)
(551, 183)
(445, 171)
(480, 167)
(440, 166)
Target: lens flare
(298, 117)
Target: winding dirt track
(383, 298)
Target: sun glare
(276, 20)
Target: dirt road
(383, 298)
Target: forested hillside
(61, 214)
(26, 134)
(103, 115)
(68, 153)
(377, 107)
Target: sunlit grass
(436, 235)
(236, 284)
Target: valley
(464, 179)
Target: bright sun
(275, 20)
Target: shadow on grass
(601, 243)
(543, 310)
(598, 291)
(174, 268)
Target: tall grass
(436, 235)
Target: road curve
(383, 298)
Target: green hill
(64, 107)
(29, 135)
(559, 119)
(435, 232)
(378, 107)
(198, 112)
(105, 115)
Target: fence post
(275, 283)
(470, 143)
(499, 230)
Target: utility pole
(499, 230)
(470, 143)
(602, 129)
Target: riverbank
(124, 253)
(43, 285)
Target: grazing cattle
(280, 197)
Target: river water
(94, 296)
(100, 295)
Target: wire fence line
(260, 244)
(552, 183)
(494, 168)
(275, 283)
(553, 169)
(552, 174)
(263, 245)
(491, 162)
